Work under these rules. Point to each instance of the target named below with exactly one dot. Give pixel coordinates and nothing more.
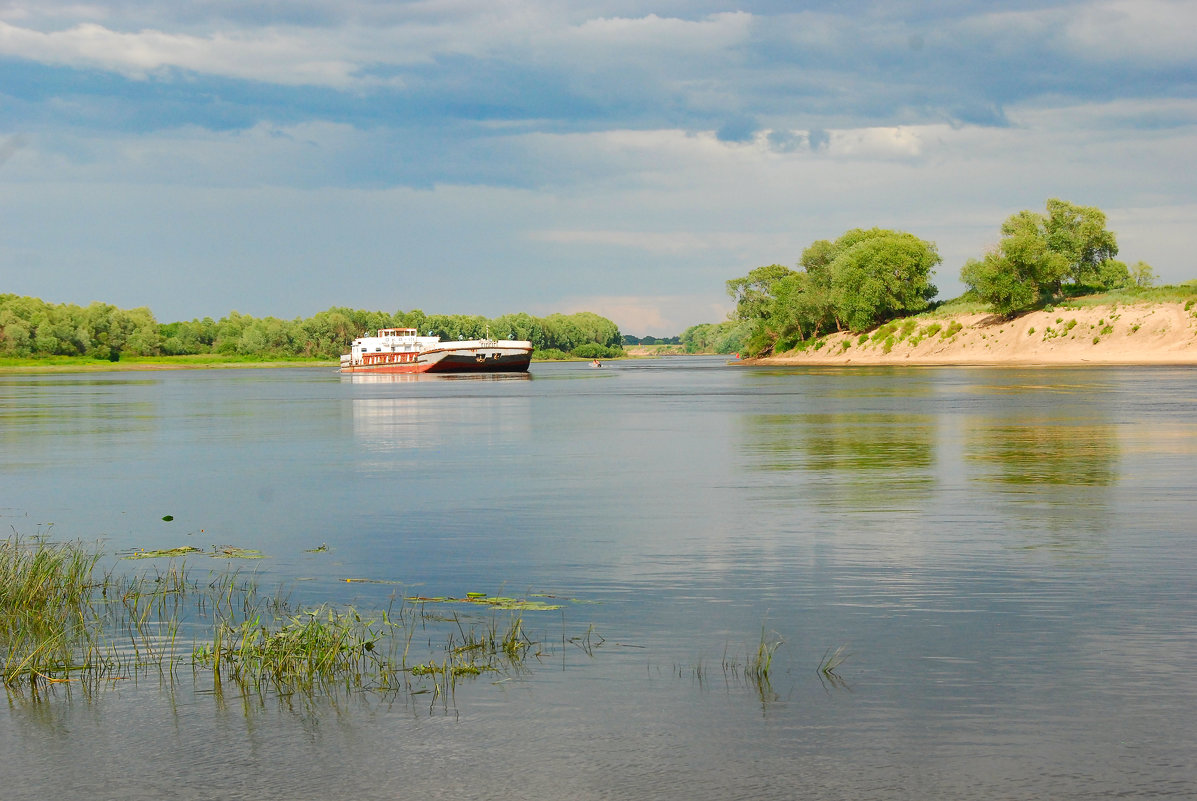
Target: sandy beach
(1149, 333)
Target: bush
(592, 350)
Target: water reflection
(1053, 475)
(882, 460)
(1045, 452)
(394, 424)
(43, 421)
(407, 378)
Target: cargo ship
(402, 350)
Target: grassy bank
(197, 362)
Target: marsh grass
(62, 621)
(760, 662)
(45, 615)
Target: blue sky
(622, 157)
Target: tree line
(31, 328)
(867, 277)
(856, 282)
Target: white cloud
(267, 56)
(1144, 30)
(341, 56)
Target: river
(1006, 560)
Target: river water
(1008, 558)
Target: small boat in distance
(402, 350)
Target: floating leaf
(497, 602)
(222, 552)
(142, 553)
(168, 518)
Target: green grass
(198, 361)
(46, 622)
(760, 662)
(1128, 296)
(64, 621)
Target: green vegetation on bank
(33, 329)
(857, 282)
(867, 278)
(1040, 257)
(728, 336)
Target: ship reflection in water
(468, 415)
(400, 378)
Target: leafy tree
(1000, 283)
(29, 327)
(1142, 274)
(1079, 234)
(725, 337)
(880, 274)
(755, 293)
(863, 278)
(1039, 253)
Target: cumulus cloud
(580, 144)
(268, 56)
(1150, 31)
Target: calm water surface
(1008, 555)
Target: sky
(623, 157)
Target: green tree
(878, 275)
(1142, 274)
(755, 293)
(1040, 253)
(1079, 234)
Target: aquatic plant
(760, 663)
(62, 623)
(832, 659)
(45, 614)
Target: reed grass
(46, 620)
(760, 663)
(62, 620)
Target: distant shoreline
(1151, 333)
(80, 365)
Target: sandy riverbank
(1149, 333)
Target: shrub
(593, 350)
